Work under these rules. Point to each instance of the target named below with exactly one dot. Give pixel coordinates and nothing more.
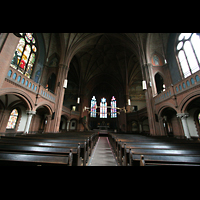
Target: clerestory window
(25, 54)
(188, 53)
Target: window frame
(183, 75)
(31, 43)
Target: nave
(91, 149)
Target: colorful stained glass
(113, 108)
(103, 108)
(93, 107)
(199, 118)
(12, 119)
(25, 54)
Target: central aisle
(102, 154)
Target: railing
(178, 88)
(69, 111)
(27, 83)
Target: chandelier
(88, 109)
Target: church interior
(95, 90)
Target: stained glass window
(113, 108)
(199, 118)
(188, 52)
(103, 108)
(12, 119)
(93, 107)
(25, 54)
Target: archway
(8, 103)
(193, 110)
(160, 86)
(170, 122)
(41, 120)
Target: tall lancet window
(103, 108)
(188, 52)
(93, 107)
(25, 54)
(113, 107)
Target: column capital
(30, 112)
(182, 115)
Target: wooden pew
(78, 150)
(75, 151)
(159, 152)
(165, 160)
(149, 147)
(79, 145)
(145, 146)
(32, 159)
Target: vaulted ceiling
(103, 60)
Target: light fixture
(78, 100)
(129, 102)
(65, 83)
(144, 85)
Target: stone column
(60, 91)
(183, 117)
(28, 121)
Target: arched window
(25, 54)
(12, 119)
(160, 86)
(51, 83)
(103, 108)
(188, 52)
(113, 107)
(93, 107)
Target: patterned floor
(102, 154)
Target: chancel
(107, 99)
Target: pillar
(8, 47)
(28, 121)
(183, 117)
(149, 100)
(60, 91)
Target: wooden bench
(32, 159)
(78, 150)
(44, 150)
(79, 145)
(165, 160)
(125, 148)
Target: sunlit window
(12, 119)
(25, 54)
(113, 108)
(103, 108)
(188, 52)
(93, 107)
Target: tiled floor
(102, 154)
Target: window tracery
(25, 54)
(188, 53)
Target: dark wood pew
(169, 152)
(78, 150)
(124, 144)
(75, 151)
(79, 145)
(165, 160)
(90, 141)
(51, 143)
(32, 159)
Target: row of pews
(50, 149)
(140, 150)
